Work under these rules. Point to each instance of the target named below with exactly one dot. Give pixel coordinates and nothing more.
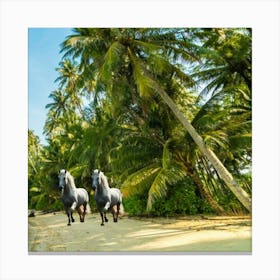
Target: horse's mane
(71, 180)
(104, 179)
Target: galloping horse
(106, 198)
(72, 197)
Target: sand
(49, 233)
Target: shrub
(181, 199)
(135, 205)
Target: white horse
(106, 198)
(73, 197)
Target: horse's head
(62, 176)
(96, 180)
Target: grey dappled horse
(106, 198)
(72, 197)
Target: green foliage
(44, 201)
(181, 199)
(125, 129)
(135, 205)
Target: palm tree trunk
(224, 174)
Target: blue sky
(43, 57)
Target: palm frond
(111, 59)
(166, 177)
(241, 142)
(140, 180)
(144, 84)
(158, 188)
(80, 170)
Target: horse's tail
(122, 209)
(122, 212)
(88, 209)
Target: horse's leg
(69, 221)
(72, 219)
(107, 206)
(113, 210)
(72, 208)
(106, 220)
(80, 213)
(102, 218)
(68, 215)
(118, 211)
(85, 209)
(74, 204)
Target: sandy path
(49, 233)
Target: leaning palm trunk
(224, 174)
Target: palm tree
(34, 151)
(227, 134)
(144, 165)
(144, 56)
(68, 81)
(59, 104)
(149, 156)
(61, 114)
(228, 53)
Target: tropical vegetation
(166, 113)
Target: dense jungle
(165, 113)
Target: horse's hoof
(102, 224)
(106, 220)
(115, 221)
(82, 221)
(69, 224)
